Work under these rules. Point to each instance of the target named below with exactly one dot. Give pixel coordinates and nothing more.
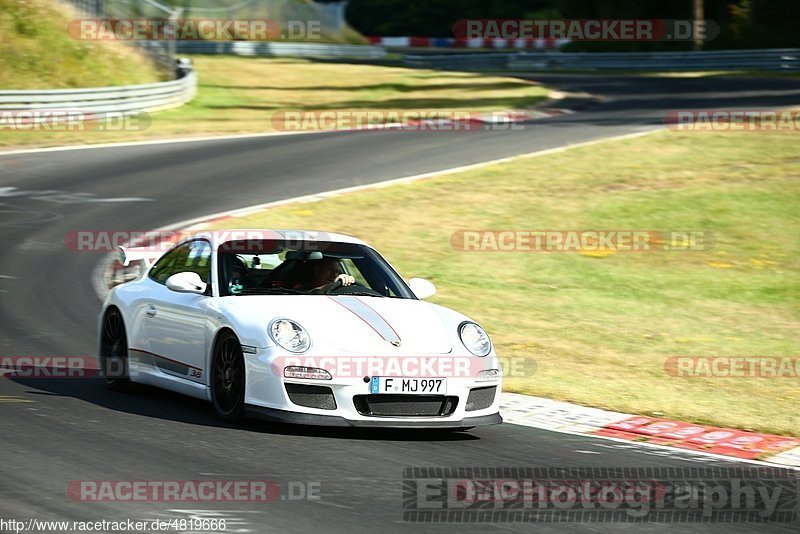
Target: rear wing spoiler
(147, 255)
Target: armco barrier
(280, 49)
(452, 42)
(99, 100)
(465, 62)
(784, 59)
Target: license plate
(408, 386)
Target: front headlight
(289, 335)
(475, 339)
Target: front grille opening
(480, 398)
(320, 397)
(390, 405)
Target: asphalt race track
(76, 430)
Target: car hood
(352, 324)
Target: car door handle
(150, 310)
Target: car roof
(217, 237)
(149, 254)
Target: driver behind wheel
(323, 275)
(239, 275)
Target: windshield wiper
(271, 291)
(362, 294)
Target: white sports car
(295, 326)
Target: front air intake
(480, 398)
(390, 405)
(319, 397)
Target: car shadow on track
(158, 403)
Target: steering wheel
(334, 286)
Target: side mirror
(422, 288)
(186, 282)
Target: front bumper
(283, 416)
(346, 400)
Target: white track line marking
(241, 212)
(165, 141)
(199, 139)
(252, 135)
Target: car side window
(194, 257)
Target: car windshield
(266, 267)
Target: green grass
(601, 327)
(240, 95)
(37, 53)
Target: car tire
(228, 378)
(114, 351)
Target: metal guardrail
(473, 61)
(102, 100)
(280, 49)
(781, 59)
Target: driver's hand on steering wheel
(345, 279)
